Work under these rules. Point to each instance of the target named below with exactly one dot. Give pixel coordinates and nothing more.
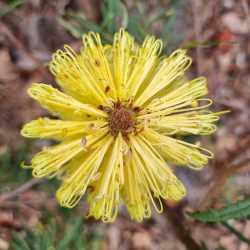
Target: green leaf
(136, 29)
(80, 244)
(72, 234)
(9, 8)
(11, 160)
(48, 236)
(75, 31)
(161, 14)
(114, 16)
(54, 236)
(83, 22)
(239, 210)
(17, 243)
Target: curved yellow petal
(146, 60)
(60, 130)
(169, 187)
(170, 69)
(60, 104)
(80, 173)
(178, 151)
(196, 122)
(72, 74)
(49, 161)
(104, 200)
(134, 194)
(95, 60)
(122, 60)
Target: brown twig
(4, 29)
(247, 11)
(220, 181)
(239, 151)
(21, 189)
(197, 32)
(176, 218)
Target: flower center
(121, 119)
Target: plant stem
(236, 232)
(27, 185)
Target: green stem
(236, 232)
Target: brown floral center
(121, 119)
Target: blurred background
(216, 34)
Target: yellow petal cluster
(116, 121)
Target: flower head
(120, 111)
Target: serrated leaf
(239, 210)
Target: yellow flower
(123, 106)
